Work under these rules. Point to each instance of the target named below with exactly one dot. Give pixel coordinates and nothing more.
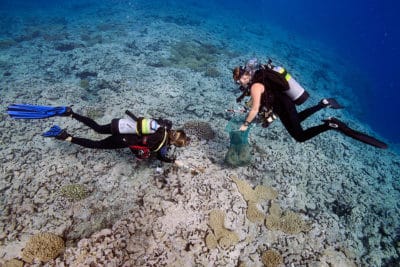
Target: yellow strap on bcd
(283, 71)
(163, 141)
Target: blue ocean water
(365, 34)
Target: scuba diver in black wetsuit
(142, 136)
(274, 91)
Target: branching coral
(43, 246)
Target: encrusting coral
(14, 263)
(74, 192)
(292, 223)
(261, 192)
(253, 213)
(271, 258)
(288, 222)
(222, 236)
(43, 246)
(254, 196)
(200, 129)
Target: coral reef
(13, 263)
(288, 222)
(271, 258)
(222, 236)
(74, 192)
(197, 56)
(200, 129)
(261, 192)
(43, 246)
(253, 213)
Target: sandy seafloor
(160, 62)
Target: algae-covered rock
(271, 258)
(43, 246)
(74, 192)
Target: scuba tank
(296, 92)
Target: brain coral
(271, 258)
(200, 129)
(43, 246)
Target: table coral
(43, 246)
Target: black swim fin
(331, 103)
(342, 127)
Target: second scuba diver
(274, 91)
(143, 136)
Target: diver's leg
(287, 113)
(111, 142)
(309, 111)
(103, 129)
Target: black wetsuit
(284, 107)
(117, 140)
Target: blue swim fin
(23, 111)
(53, 132)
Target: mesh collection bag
(239, 152)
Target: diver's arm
(162, 155)
(256, 91)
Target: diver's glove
(164, 123)
(68, 112)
